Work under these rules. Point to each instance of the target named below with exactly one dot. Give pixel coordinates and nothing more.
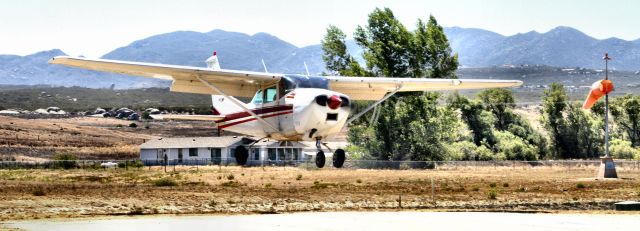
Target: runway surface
(349, 221)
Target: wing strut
(235, 101)
(373, 105)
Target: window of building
(272, 153)
(256, 153)
(281, 154)
(193, 152)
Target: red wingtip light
(214, 53)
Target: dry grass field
(34, 194)
(86, 137)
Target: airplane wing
(212, 118)
(375, 88)
(234, 83)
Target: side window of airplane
(257, 99)
(270, 94)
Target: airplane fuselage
(298, 107)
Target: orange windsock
(598, 89)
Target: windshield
(265, 95)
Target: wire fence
(625, 165)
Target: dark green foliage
(38, 191)
(626, 112)
(65, 160)
(165, 182)
(477, 119)
(146, 116)
(335, 55)
(133, 125)
(574, 133)
(410, 126)
(500, 102)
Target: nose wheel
(320, 159)
(338, 156)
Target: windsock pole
(606, 107)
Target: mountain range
(561, 47)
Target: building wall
(148, 154)
(205, 153)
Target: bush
(65, 160)
(299, 177)
(230, 177)
(146, 116)
(165, 182)
(580, 185)
(133, 125)
(513, 147)
(621, 149)
(39, 191)
(492, 194)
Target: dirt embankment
(87, 137)
(28, 194)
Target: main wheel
(338, 158)
(320, 159)
(241, 154)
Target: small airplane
(284, 107)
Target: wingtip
(57, 59)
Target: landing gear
(320, 159)
(241, 154)
(338, 158)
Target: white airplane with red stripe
(287, 107)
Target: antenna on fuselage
(306, 68)
(265, 66)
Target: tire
(320, 159)
(339, 158)
(241, 154)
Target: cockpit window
(270, 94)
(265, 95)
(257, 99)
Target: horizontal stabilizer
(212, 118)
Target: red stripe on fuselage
(257, 111)
(252, 119)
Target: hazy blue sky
(95, 27)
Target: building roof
(193, 142)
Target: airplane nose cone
(334, 102)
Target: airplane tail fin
(222, 106)
(212, 62)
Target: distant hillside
(560, 47)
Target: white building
(219, 150)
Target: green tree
(410, 126)
(335, 55)
(626, 113)
(432, 56)
(479, 121)
(574, 133)
(554, 102)
(500, 102)
(386, 44)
